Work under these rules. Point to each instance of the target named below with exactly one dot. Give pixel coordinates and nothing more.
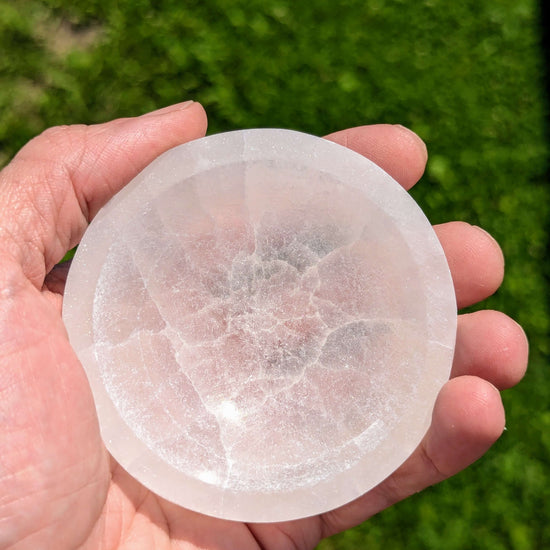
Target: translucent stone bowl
(265, 319)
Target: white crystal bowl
(265, 319)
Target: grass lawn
(467, 76)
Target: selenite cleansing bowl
(265, 319)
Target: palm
(59, 487)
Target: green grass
(467, 76)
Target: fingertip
(396, 149)
(475, 400)
(201, 117)
(519, 347)
(187, 120)
(492, 346)
(170, 108)
(489, 245)
(413, 140)
(475, 259)
(411, 145)
(468, 418)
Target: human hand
(59, 488)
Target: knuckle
(60, 136)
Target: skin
(59, 488)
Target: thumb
(56, 184)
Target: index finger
(396, 149)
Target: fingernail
(185, 105)
(171, 108)
(493, 240)
(415, 137)
(486, 233)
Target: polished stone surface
(265, 319)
